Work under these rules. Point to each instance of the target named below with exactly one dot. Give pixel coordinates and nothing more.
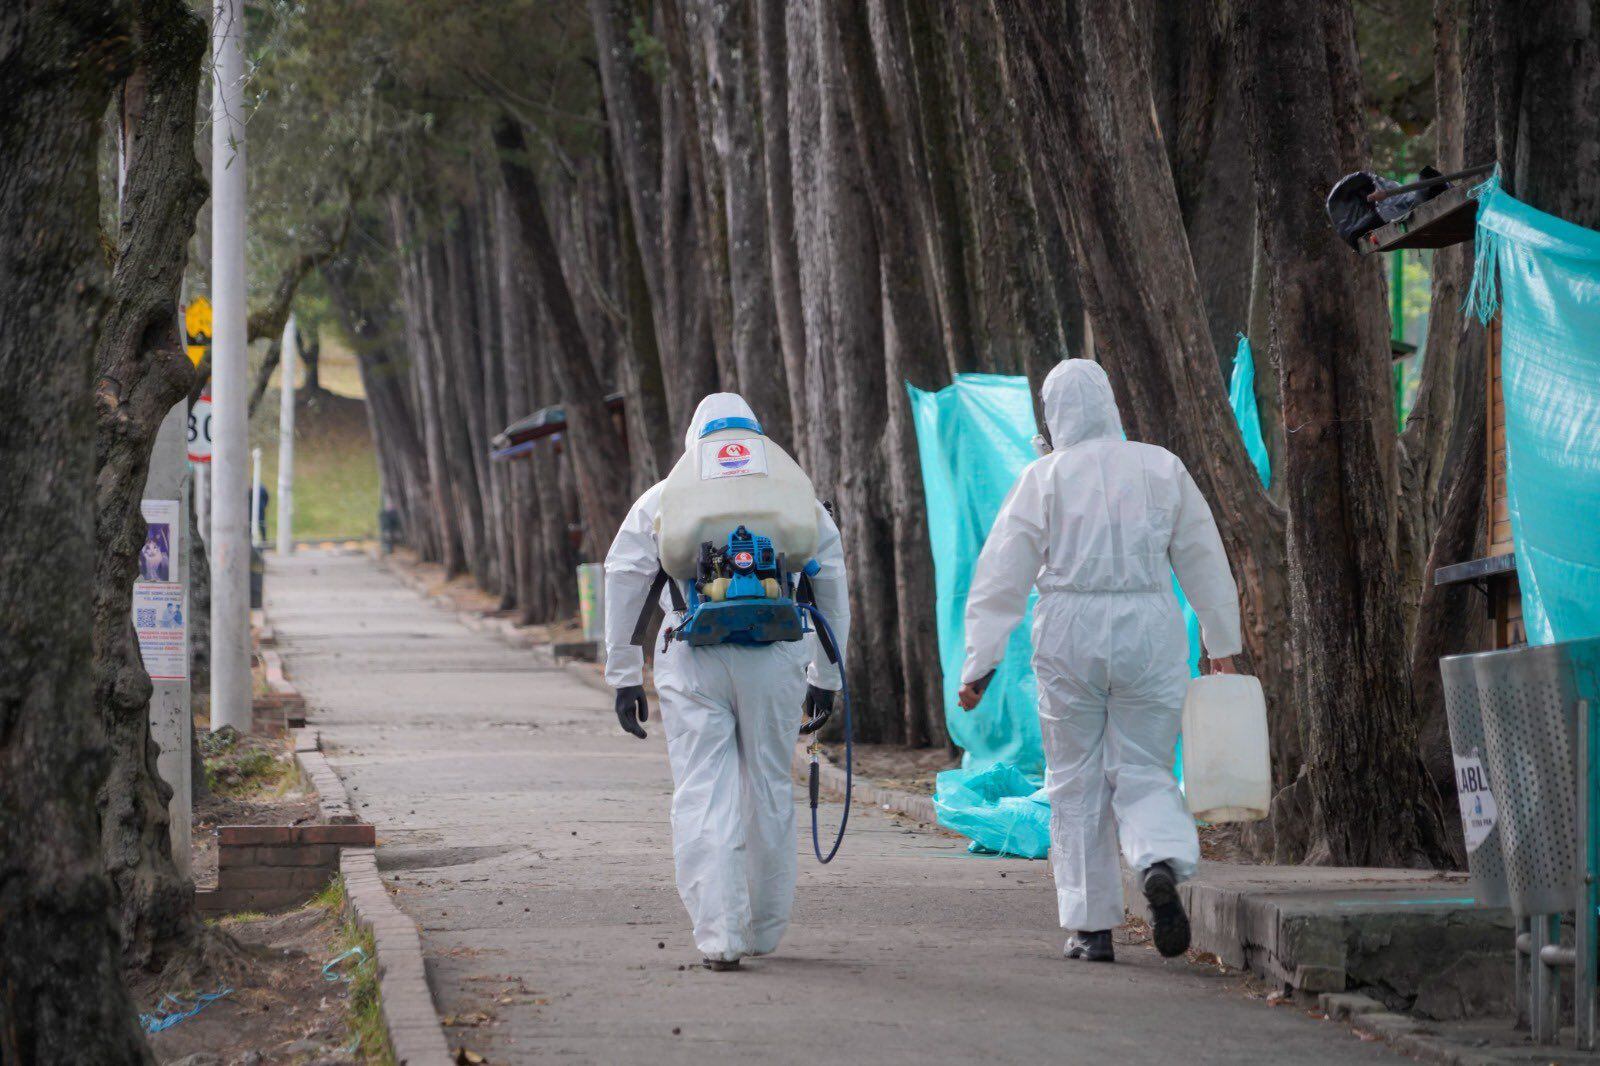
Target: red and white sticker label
(732, 458)
(743, 560)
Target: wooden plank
(1502, 511)
(1500, 536)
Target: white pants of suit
(732, 716)
(1112, 669)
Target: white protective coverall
(1100, 525)
(732, 715)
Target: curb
(1405, 1034)
(410, 1020)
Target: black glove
(818, 708)
(632, 709)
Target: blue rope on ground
(157, 1022)
(328, 973)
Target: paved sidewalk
(528, 837)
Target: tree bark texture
(61, 993)
(141, 372)
(1371, 802)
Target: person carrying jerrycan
(1100, 524)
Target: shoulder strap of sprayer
(662, 581)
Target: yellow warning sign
(197, 324)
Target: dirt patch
(903, 769)
(1221, 843)
(279, 1009)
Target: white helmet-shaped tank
(732, 475)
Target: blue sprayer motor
(741, 594)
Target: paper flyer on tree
(158, 598)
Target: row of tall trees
(817, 203)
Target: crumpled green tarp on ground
(974, 437)
(1548, 273)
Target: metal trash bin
(1530, 727)
(1542, 742)
(1475, 789)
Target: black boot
(1169, 925)
(1090, 946)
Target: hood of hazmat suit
(731, 714)
(715, 408)
(1101, 525)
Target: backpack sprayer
(737, 587)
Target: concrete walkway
(528, 837)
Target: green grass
(368, 1035)
(245, 773)
(336, 491)
(331, 898)
(367, 1030)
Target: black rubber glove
(632, 709)
(818, 708)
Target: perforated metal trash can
(1528, 703)
(1475, 790)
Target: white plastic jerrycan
(1227, 766)
(733, 477)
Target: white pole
(202, 501)
(255, 497)
(230, 476)
(286, 370)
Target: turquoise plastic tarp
(974, 437)
(1548, 273)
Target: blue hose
(815, 783)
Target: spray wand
(814, 784)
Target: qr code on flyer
(145, 618)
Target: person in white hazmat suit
(1100, 524)
(732, 713)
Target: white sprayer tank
(730, 478)
(1227, 765)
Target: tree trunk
(593, 446)
(728, 45)
(1442, 472)
(644, 126)
(773, 60)
(142, 372)
(61, 994)
(914, 354)
(1547, 94)
(858, 404)
(1371, 803)
(804, 124)
(1197, 98)
(409, 244)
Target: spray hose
(814, 785)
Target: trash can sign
(1478, 812)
